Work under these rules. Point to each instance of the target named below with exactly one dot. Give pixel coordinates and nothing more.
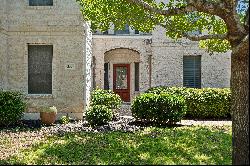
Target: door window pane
(121, 78)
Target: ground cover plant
(151, 145)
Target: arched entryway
(121, 74)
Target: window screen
(137, 32)
(106, 76)
(137, 77)
(40, 69)
(192, 71)
(40, 2)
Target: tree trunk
(240, 104)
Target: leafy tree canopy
(104, 13)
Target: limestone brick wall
(103, 44)
(167, 62)
(59, 25)
(216, 70)
(3, 45)
(3, 60)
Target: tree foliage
(104, 13)
(224, 25)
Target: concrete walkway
(206, 123)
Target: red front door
(121, 81)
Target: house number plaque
(70, 66)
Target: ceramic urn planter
(48, 115)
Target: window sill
(39, 96)
(40, 7)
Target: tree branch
(243, 43)
(204, 37)
(223, 8)
(169, 12)
(213, 8)
(246, 20)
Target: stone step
(125, 110)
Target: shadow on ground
(174, 145)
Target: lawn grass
(179, 145)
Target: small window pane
(136, 76)
(40, 2)
(106, 76)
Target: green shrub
(98, 115)
(209, 103)
(105, 97)
(201, 103)
(159, 108)
(64, 120)
(171, 90)
(12, 107)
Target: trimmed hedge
(98, 115)
(201, 103)
(102, 105)
(105, 97)
(12, 107)
(160, 108)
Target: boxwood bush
(160, 108)
(98, 115)
(103, 105)
(12, 107)
(201, 103)
(105, 97)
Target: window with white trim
(40, 2)
(192, 71)
(40, 69)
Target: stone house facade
(45, 52)
(161, 61)
(48, 52)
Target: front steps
(125, 110)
